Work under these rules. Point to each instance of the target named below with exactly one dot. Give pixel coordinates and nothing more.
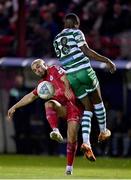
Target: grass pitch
(44, 167)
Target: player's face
(39, 69)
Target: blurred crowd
(120, 125)
(106, 24)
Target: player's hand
(11, 112)
(111, 66)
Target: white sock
(86, 127)
(56, 129)
(100, 113)
(69, 168)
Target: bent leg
(86, 129)
(100, 113)
(86, 120)
(99, 109)
(54, 110)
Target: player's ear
(44, 63)
(77, 25)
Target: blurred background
(27, 30)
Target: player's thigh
(96, 97)
(88, 78)
(60, 109)
(87, 103)
(83, 82)
(78, 87)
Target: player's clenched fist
(111, 66)
(11, 112)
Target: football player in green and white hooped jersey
(73, 52)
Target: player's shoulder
(57, 68)
(58, 35)
(77, 32)
(64, 32)
(53, 68)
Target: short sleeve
(79, 38)
(35, 92)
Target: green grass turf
(44, 167)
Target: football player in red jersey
(62, 105)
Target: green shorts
(83, 81)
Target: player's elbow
(86, 50)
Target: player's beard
(45, 74)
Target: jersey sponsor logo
(51, 78)
(79, 38)
(59, 69)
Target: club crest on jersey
(51, 78)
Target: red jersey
(54, 74)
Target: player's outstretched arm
(68, 92)
(27, 99)
(94, 55)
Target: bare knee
(55, 105)
(49, 104)
(87, 103)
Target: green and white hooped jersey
(66, 45)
